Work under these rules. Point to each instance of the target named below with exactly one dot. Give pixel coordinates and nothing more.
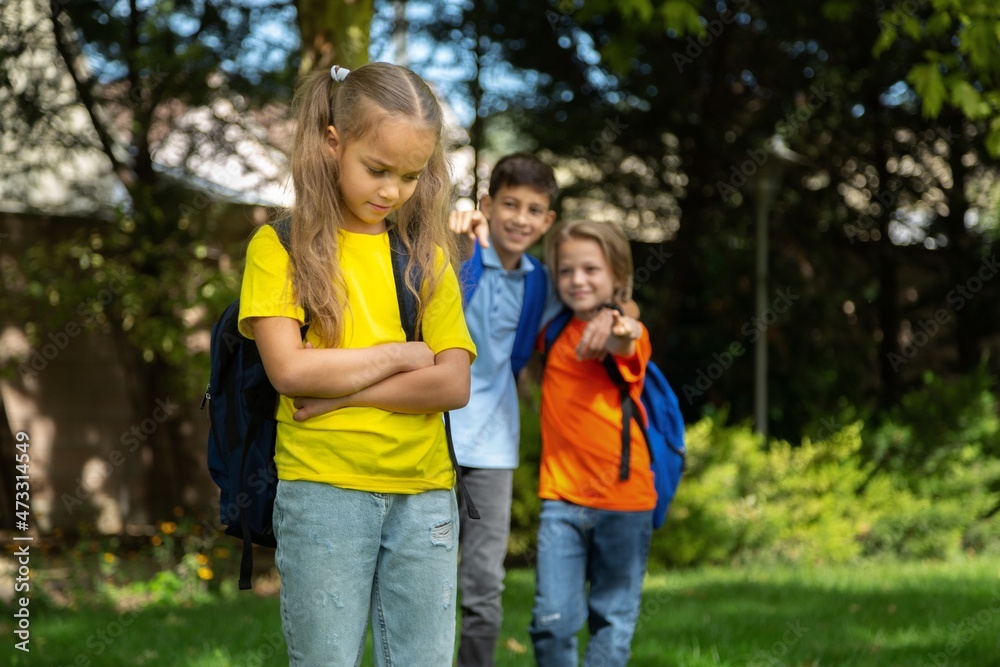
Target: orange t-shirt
(581, 429)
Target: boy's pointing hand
(472, 224)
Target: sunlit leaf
(929, 84)
(993, 138)
(682, 17)
(968, 99)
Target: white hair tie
(338, 73)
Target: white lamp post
(769, 177)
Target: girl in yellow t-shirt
(365, 516)
(595, 528)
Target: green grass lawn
(911, 615)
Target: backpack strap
(629, 412)
(406, 299)
(532, 310)
(408, 307)
(462, 489)
(283, 228)
(554, 329)
(470, 273)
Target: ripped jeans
(346, 556)
(578, 546)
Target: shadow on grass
(868, 616)
(242, 630)
(843, 617)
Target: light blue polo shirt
(487, 431)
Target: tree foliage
(152, 88)
(333, 33)
(665, 116)
(959, 66)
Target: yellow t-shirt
(358, 448)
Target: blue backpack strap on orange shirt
(532, 308)
(664, 433)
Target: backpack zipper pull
(207, 397)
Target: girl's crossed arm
(437, 388)
(297, 371)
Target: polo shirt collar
(492, 260)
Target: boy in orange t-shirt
(595, 527)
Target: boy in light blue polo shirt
(486, 433)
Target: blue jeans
(346, 556)
(577, 545)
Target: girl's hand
(623, 327)
(624, 332)
(309, 406)
(472, 224)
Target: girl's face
(584, 279)
(379, 172)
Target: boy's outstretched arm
(473, 225)
(443, 386)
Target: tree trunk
(334, 33)
(961, 255)
(888, 293)
(8, 470)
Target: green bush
(935, 424)
(718, 510)
(941, 448)
(740, 502)
(526, 505)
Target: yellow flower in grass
(155, 539)
(109, 557)
(202, 559)
(168, 527)
(205, 573)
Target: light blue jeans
(577, 545)
(346, 556)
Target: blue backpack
(664, 434)
(242, 404)
(532, 310)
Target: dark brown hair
(524, 169)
